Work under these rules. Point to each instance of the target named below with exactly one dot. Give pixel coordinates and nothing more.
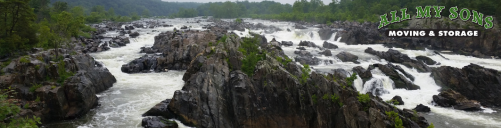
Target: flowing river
(133, 94)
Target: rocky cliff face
(176, 50)
(486, 45)
(56, 88)
(473, 81)
(217, 93)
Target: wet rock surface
(348, 57)
(329, 45)
(397, 57)
(451, 98)
(216, 94)
(65, 86)
(473, 81)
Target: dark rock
(422, 108)
(184, 27)
(452, 98)
(473, 81)
(326, 53)
(301, 48)
(145, 63)
(134, 34)
(329, 45)
(148, 50)
(287, 43)
(348, 57)
(426, 60)
(158, 122)
(325, 33)
(399, 80)
(397, 57)
(364, 74)
(298, 26)
(160, 110)
(307, 44)
(398, 99)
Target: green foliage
(394, 102)
(35, 87)
(37, 99)
(249, 48)
(314, 98)
(335, 99)
(239, 20)
(286, 60)
(431, 126)
(349, 80)
(9, 109)
(325, 97)
(185, 13)
(63, 74)
(394, 115)
(306, 74)
(364, 98)
(25, 59)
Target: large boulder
(66, 88)
(422, 108)
(451, 98)
(325, 33)
(158, 122)
(273, 95)
(329, 45)
(398, 57)
(134, 34)
(326, 53)
(400, 80)
(307, 44)
(347, 57)
(473, 81)
(426, 60)
(287, 43)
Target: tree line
(337, 10)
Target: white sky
(326, 2)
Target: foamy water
(134, 94)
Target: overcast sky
(205, 1)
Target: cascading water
(382, 84)
(133, 94)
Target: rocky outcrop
(287, 43)
(298, 26)
(397, 57)
(305, 57)
(400, 80)
(426, 60)
(364, 74)
(422, 108)
(158, 122)
(325, 33)
(134, 34)
(307, 44)
(329, 45)
(57, 88)
(178, 50)
(144, 64)
(451, 98)
(216, 94)
(473, 81)
(326, 53)
(398, 100)
(485, 45)
(347, 57)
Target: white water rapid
(122, 105)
